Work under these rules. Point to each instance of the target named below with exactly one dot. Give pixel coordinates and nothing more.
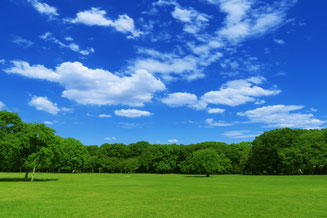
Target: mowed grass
(150, 195)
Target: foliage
(27, 146)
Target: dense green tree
(26, 147)
(206, 161)
(130, 165)
(92, 162)
(72, 155)
(36, 140)
(9, 123)
(268, 151)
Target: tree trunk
(26, 175)
(33, 174)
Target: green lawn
(149, 195)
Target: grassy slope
(141, 195)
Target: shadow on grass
(198, 176)
(24, 180)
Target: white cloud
(260, 102)
(48, 122)
(171, 66)
(210, 123)
(130, 125)
(237, 92)
(279, 41)
(68, 38)
(2, 105)
(2, 61)
(174, 141)
(279, 116)
(168, 65)
(215, 111)
(44, 104)
(192, 19)
(232, 93)
(94, 86)
(44, 8)
(104, 115)
(313, 110)
(240, 134)
(132, 113)
(110, 138)
(35, 72)
(66, 109)
(97, 17)
(18, 40)
(179, 99)
(72, 46)
(246, 18)
(162, 3)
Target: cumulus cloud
(132, 113)
(104, 115)
(97, 17)
(237, 92)
(179, 99)
(232, 93)
(2, 105)
(174, 141)
(44, 8)
(94, 86)
(72, 46)
(279, 116)
(44, 104)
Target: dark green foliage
(24, 146)
(206, 161)
(287, 151)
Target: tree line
(31, 147)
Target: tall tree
(206, 161)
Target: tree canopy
(32, 146)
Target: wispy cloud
(280, 116)
(72, 46)
(241, 134)
(24, 43)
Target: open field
(149, 195)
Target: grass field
(149, 195)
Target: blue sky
(164, 71)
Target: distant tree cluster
(29, 147)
